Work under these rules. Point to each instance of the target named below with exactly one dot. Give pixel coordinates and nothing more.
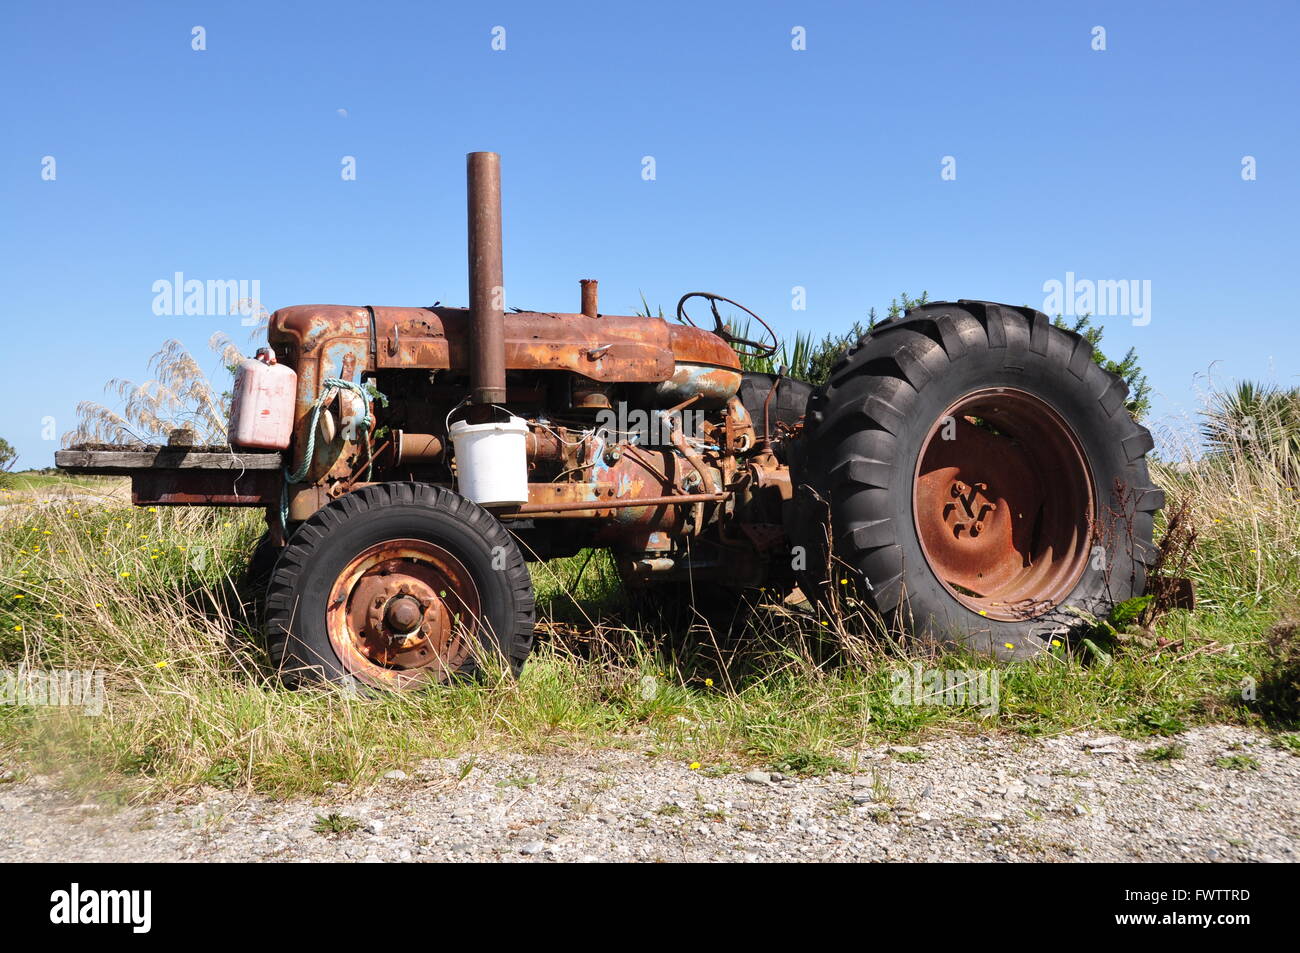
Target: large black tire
(488, 611)
(869, 430)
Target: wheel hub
(966, 515)
(402, 614)
(1003, 504)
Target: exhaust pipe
(486, 284)
(589, 303)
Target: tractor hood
(606, 348)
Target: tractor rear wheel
(982, 474)
(398, 586)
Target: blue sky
(775, 168)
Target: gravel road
(1004, 798)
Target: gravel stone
(621, 806)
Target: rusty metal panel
(606, 348)
(696, 346)
(546, 494)
(609, 349)
(572, 500)
(205, 487)
(714, 386)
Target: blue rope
(329, 387)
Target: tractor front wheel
(398, 586)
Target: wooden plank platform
(128, 460)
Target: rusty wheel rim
(402, 614)
(1004, 504)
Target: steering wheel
(741, 346)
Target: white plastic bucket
(492, 461)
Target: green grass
(807, 762)
(38, 480)
(910, 757)
(1172, 752)
(1237, 762)
(25, 486)
(153, 599)
(335, 824)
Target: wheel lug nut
(404, 615)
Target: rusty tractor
(968, 470)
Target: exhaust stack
(589, 301)
(486, 284)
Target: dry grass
(1246, 513)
